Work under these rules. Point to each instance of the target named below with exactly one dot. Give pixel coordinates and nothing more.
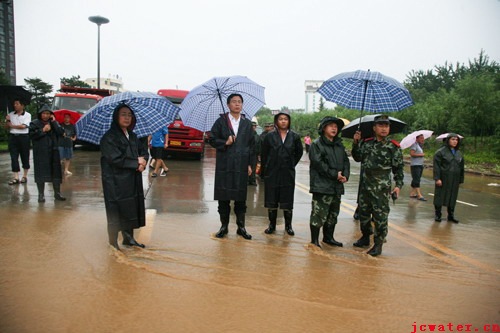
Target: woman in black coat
(233, 138)
(281, 151)
(448, 172)
(123, 159)
(45, 132)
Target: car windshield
(77, 104)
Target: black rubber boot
(376, 250)
(288, 222)
(451, 216)
(128, 239)
(314, 235)
(224, 220)
(41, 191)
(57, 192)
(363, 241)
(328, 238)
(113, 236)
(240, 221)
(437, 211)
(273, 215)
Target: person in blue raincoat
(123, 159)
(233, 139)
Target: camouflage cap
(382, 119)
(268, 125)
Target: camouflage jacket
(378, 159)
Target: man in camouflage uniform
(378, 156)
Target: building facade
(312, 96)
(7, 41)
(112, 82)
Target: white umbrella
(410, 139)
(444, 135)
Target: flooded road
(58, 274)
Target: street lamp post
(98, 20)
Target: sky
(166, 44)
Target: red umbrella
(74, 116)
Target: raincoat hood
(328, 120)
(115, 122)
(452, 135)
(286, 114)
(44, 108)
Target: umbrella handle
(230, 130)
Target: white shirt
(20, 119)
(235, 123)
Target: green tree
(3, 78)
(74, 81)
(40, 91)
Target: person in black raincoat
(328, 171)
(448, 172)
(281, 151)
(45, 132)
(233, 138)
(123, 159)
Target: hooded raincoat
(231, 166)
(46, 157)
(279, 159)
(449, 167)
(121, 182)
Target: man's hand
(249, 170)
(230, 140)
(357, 137)
(46, 128)
(439, 183)
(396, 190)
(142, 161)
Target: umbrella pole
(224, 111)
(363, 104)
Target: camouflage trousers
(374, 205)
(325, 209)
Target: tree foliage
(40, 91)
(74, 81)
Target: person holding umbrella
(281, 151)
(378, 156)
(18, 122)
(448, 169)
(233, 139)
(123, 159)
(417, 167)
(329, 170)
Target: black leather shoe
(59, 197)
(376, 250)
(452, 218)
(129, 240)
(222, 231)
(41, 198)
(332, 242)
(437, 218)
(270, 229)
(243, 233)
(289, 230)
(363, 241)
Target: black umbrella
(397, 126)
(9, 93)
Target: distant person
(157, 143)
(307, 143)
(329, 170)
(281, 151)
(18, 122)
(233, 139)
(379, 156)
(417, 167)
(252, 180)
(123, 159)
(45, 133)
(66, 143)
(448, 169)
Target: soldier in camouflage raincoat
(329, 170)
(379, 156)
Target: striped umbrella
(204, 104)
(151, 112)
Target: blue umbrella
(365, 90)
(151, 112)
(204, 104)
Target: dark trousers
(19, 145)
(416, 175)
(225, 207)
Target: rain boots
(288, 222)
(363, 241)
(41, 190)
(451, 216)
(437, 211)
(128, 238)
(224, 220)
(57, 192)
(240, 221)
(376, 250)
(328, 230)
(314, 235)
(273, 215)
(113, 236)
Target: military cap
(382, 119)
(254, 123)
(268, 124)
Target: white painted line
(462, 202)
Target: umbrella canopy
(444, 135)
(74, 116)
(151, 112)
(366, 126)
(204, 104)
(365, 90)
(346, 121)
(409, 140)
(9, 93)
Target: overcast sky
(155, 44)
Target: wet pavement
(58, 274)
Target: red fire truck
(182, 139)
(78, 99)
